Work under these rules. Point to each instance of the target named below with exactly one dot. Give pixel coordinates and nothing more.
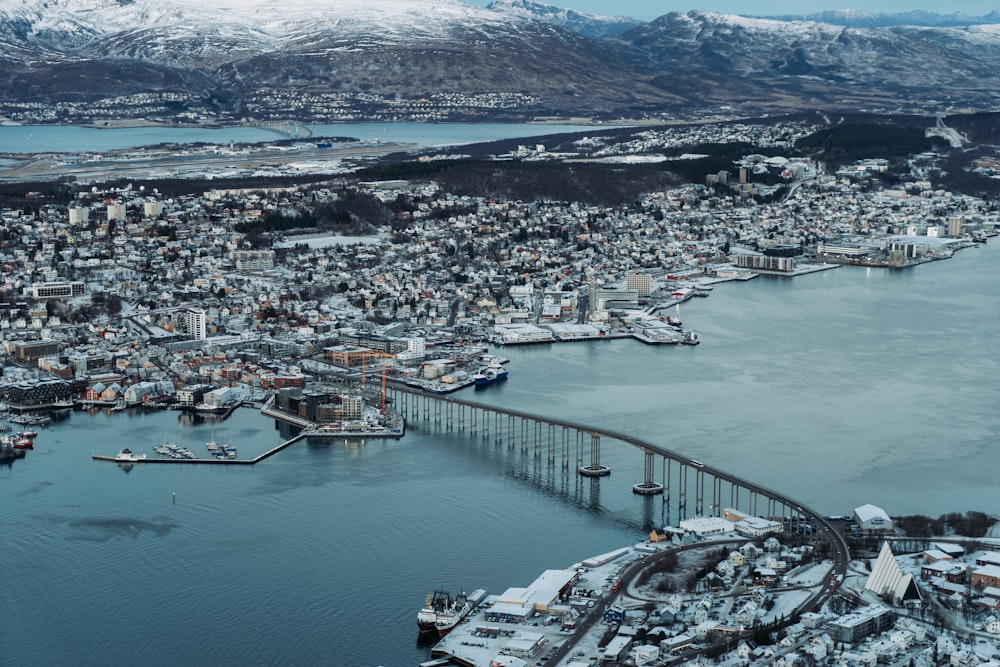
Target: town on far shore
(129, 295)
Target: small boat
(128, 456)
(27, 434)
(24, 443)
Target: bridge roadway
(840, 552)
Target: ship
(493, 372)
(442, 613)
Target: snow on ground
(812, 575)
(328, 241)
(786, 604)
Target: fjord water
(840, 388)
(55, 138)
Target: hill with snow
(588, 25)
(259, 58)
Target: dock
(209, 461)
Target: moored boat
(442, 613)
(493, 372)
(128, 456)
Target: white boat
(128, 456)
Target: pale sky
(650, 9)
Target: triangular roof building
(887, 579)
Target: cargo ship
(442, 613)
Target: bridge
(694, 487)
(288, 128)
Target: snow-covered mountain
(936, 61)
(857, 18)
(588, 25)
(231, 49)
(233, 56)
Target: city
(305, 300)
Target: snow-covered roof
(887, 577)
(869, 512)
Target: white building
(872, 518)
(703, 526)
(78, 215)
(116, 211)
(754, 526)
(194, 323)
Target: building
(641, 283)
(987, 576)
(78, 215)
(352, 406)
(195, 322)
(616, 299)
(888, 581)
(702, 526)
(754, 526)
(872, 519)
(348, 355)
(152, 208)
(35, 349)
(57, 290)
(116, 211)
(858, 625)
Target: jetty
(210, 461)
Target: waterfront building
(40, 392)
(641, 283)
(872, 519)
(754, 526)
(352, 406)
(607, 298)
(703, 526)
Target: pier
(209, 461)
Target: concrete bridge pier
(682, 485)
(647, 487)
(699, 492)
(595, 468)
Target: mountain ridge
(446, 60)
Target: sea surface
(55, 138)
(840, 388)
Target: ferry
(494, 372)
